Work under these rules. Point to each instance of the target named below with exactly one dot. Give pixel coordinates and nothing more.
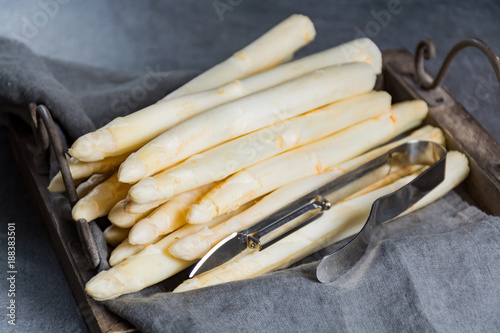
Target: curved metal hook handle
(43, 121)
(43, 113)
(427, 50)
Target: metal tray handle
(46, 134)
(427, 50)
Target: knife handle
(318, 204)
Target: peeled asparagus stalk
(115, 235)
(132, 207)
(197, 245)
(267, 51)
(151, 121)
(120, 218)
(150, 266)
(100, 200)
(246, 115)
(308, 160)
(126, 134)
(219, 162)
(341, 221)
(81, 170)
(85, 187)
(166, 218)
(125, 250)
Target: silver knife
(311, 206)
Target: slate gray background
(134, 36)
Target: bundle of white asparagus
(231, 146)
(155, 263)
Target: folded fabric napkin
(437, 269)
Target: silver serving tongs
(311, 206)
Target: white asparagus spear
(342, 221)
(85, 187)
(116, 137)
(166, 218)
(308, 160)
(120, 218)
(81, 170)
(100, 200)
(219, 162)
(132, 207)
(270, 49)
(149, 266)
(115, 235)
(197, 245)
(246, 115)
(125, 250)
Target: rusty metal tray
(404, 77)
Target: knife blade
(223, 251)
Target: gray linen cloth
(434, 270)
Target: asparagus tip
(188, 285)
(116, 257)
(103, 286)
(119, 217)
(146, 190)
(132, 170)
(91, 146)
(142, 233)
(191, 247)
(114, 260)
(85, 208)
(202, 212)
(56, 184)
